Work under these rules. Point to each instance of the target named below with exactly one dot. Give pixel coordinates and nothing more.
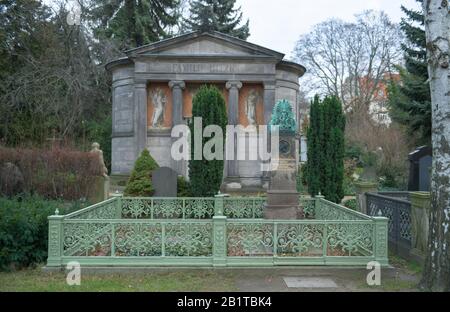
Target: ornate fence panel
(213, 232)
(326, 210)
(398, 211)
(103, 210)
(308, 204)
(166, 208)
(134, 242)
(243, 207)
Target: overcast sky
(277, 24)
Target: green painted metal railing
(221, 231)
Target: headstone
(420, 169)
(164, 181)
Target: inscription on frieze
(202, 68)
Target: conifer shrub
(140, 181)
(183, 188)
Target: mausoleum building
(153, 87)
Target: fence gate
(397, 208)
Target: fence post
(118, 201)
(420, 208)
(317, 205)
(218, 204)
(381, 240)
(55, 240)
(361, 189)
(219, 241)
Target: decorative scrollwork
(104, 210)
(300, 239)
(167, 209)
(244, 208)
(199, 208)
(136, 208)
(138, 239)
(250, 239)
(350, 239)
(329, 211)
(188, 239)
(87, 239)
(308, 205)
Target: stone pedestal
(282, 196)
(282, 205)
(361, 189)
(420, 209)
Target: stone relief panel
(191, 90)
(159, 106)
(251, 105)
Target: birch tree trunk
(436, 274)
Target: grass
(391, 285)
(36, 280)
(196, 280)
(410, 266)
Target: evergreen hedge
(24, 229)
(205, 176)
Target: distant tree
(133, 23)
(326, 149)
(350, 60)
(50, 79)
(205, 176)
(217, 15)
(409, 98)
(140, 181)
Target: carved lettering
(202, 68)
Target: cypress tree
(217, 15)
(335, 150)
(326, 148)
(410, 100)
(206, 175)
(312, 171)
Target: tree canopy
(409, 98)
(217, 15)
(134, 23)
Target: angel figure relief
(159, 101)
(250, 106)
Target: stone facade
(153, 87)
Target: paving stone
(309, 282)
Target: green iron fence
(221, 231)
